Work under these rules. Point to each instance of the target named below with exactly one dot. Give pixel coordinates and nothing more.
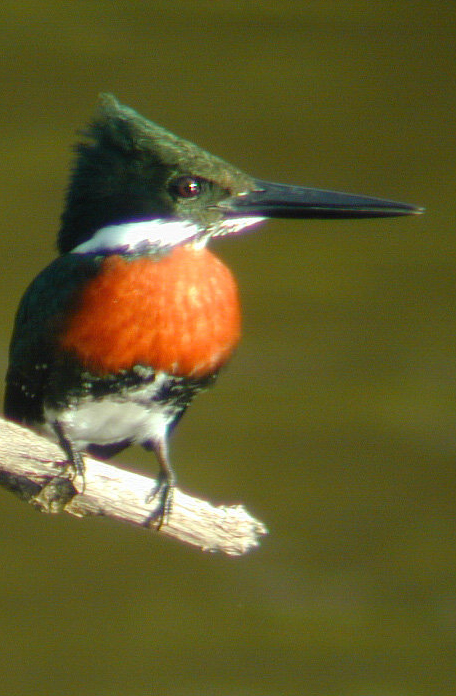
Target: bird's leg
(59, 491)
(75, 459)
(163, 491)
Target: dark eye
(187, 187)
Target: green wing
(41, 313)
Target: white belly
(113, 418)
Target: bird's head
(136, 186)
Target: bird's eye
(187, 187)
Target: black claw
(163, 493)
(78, 464)
(75, 458)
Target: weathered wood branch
(34, 468)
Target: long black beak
(283, 201)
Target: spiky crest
(124, 172)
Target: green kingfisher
(135, 316)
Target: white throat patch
(139, 236)
(150, 235)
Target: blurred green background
(335, 422)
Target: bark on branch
(35, 469)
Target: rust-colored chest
(179, 314)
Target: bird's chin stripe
(131, 237)
(152, 235)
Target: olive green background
(335, 422)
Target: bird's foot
(72, 470)
(74, 466)
(162, 493)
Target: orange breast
(179, 314)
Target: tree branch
(34, 468)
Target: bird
(135, 316)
